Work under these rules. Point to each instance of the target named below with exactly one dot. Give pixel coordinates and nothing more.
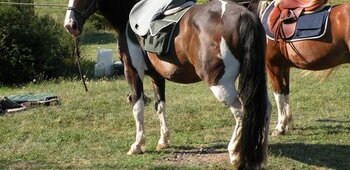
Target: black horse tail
(252, 88)
(253, 6)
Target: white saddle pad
(144, 12)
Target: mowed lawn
(94, 130)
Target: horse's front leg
(279, 78)
(159, 94)
(138, 105)
(134, 70)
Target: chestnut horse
(331, 50)
(215, 42)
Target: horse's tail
(252, 88)
(253, 6)
(258, 7)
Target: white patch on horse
(279, 101)
(138, 112)
(223, 7)
(164, 131)
(70, 13)
(282, 102)
(137, 57)
(224, 91)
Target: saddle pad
(309, 26)
(161, 33)
(142, 14)
(145, 11)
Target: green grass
(94, 130)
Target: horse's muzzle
(72, 27)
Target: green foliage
(31, 47)
(201, 1)
(96, 23)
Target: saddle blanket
(309, 26)
(145, 11)
(160, 35)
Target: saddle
(283, 17)
(146, 11)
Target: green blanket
(15, 103)
(34, 98)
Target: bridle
(84, 14)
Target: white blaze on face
(223, 7)
(69, 13)
(69, 18)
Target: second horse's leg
(279, 78)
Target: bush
(31, 47)
(96, 23)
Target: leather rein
(83, 15)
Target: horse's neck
(115, 13)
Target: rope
(77, 55)
(33, 4)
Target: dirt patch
(201, 156)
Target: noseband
(83, 14)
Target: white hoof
(162, 146)
(135, 150)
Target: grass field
(94, 130)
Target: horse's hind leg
(279, 77)
(227, 94)
(159, 93)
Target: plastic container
(105, 59)
(99, 70)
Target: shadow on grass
(329, 155)
(333, 121)
(336, 128)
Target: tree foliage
(31, 47)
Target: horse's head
(77, 12)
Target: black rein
(77, 55)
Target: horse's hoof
(278, 133)
(253, 167)
(162, 146)
(134, 151)
(235, 164)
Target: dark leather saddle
(283, 17)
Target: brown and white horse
(215, 42)
(331, 50)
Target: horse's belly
(176, 72)
(315, 55)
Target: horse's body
(319, 54)
(214, 42)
